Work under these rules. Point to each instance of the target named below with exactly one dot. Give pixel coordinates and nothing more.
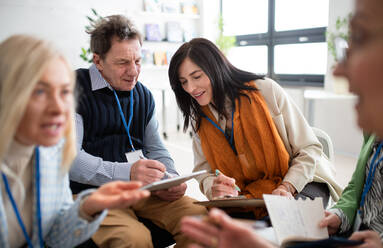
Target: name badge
(134, 156)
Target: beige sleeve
(200, 163)
(304, 148)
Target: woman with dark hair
(246, 129)
(359, 210)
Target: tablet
(171, 182)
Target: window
(245, 24)
(283, 39)
(249, 58)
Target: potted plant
(341, 30)
(86, 54)
(224, 42)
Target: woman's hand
(285, 189)
(219, 230)
(331, 221)
(116, 194)
(370, 238)
(223, 186)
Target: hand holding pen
(171, 194)
(167, 174)
(147, 171)
(224, 186)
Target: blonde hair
(23, 60)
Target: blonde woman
(37, 146)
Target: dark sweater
(104, 133)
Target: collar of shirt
(221, 118)
(97, 80)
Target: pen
(167, 174)
(217, 172)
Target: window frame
(273, 38)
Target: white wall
(63, 22)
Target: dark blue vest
(104, 132)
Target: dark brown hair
(109, 27)
(226, 80)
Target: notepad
(296, 223)
(232, 202)
(171, 182)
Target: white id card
(134, 156)
(357, 222)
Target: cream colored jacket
(307, 161)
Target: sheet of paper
(295, 218)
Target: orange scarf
(262, 159)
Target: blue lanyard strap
(38, 194)
(17, 213)
(371, 174)
(127, 126)
(220, 129)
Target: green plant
(341, 30)
(86, 54)
(224, 42)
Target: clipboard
(171, 182)
(232, 202)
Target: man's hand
(147, 171)
(331, 221)
(171, 194)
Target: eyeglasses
(341, 47)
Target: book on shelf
(152, 6)
(160, 58)
(296, 223)
(189, 32)
(152, 32)
(147, 56)
(169, 55)
(171, 6)
(189, 7)
(174, 32)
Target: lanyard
(38, 209)
(127, 126)
(220, 129)
(371, 174)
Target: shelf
(168, 15)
